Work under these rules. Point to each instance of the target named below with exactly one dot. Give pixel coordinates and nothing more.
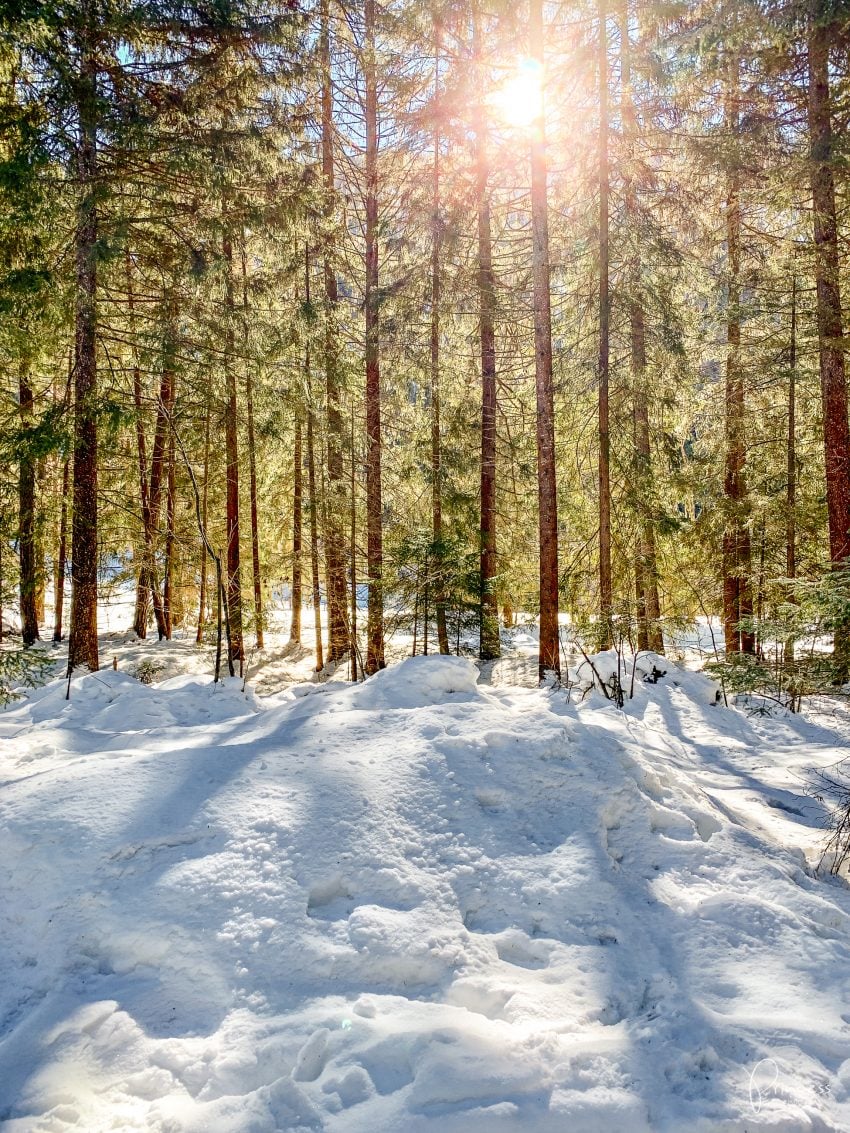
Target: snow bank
(413, 906)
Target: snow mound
(491, 911)
(417, 681)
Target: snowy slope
(415, 904)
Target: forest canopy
(452, 310)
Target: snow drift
(415, 904)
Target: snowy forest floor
(426, 902)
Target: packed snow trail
(415, 904)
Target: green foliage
(21, 669)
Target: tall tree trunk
(352, 551)
(82, 642)
(646, 563)
(606, 586)
(168, 566)
(61, 554)
(489, 644)
(833, 380)
(791, 446)
(547, 489)
(314, 538)
(436, 448)
(338, 632)
(26, 519)
(234, 578)
(143, 577)
(297, 532)
(374, 535)
(737, 554)
(252, 456)
(202, 595)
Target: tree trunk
(143, 581)
(314, 540)
(202, 595)
(791, 446)
(59, 576)
(606, 587)
(335, 506)
(374, 536)
(436, 448)
(833, 380)
(168, 569)
(252, 458)
(26, 519)
(650, 635)
(489, 643)
(547, 489)
(82, 642)
(352, 553)
(297, 536)
(234, 578)
(737, 599)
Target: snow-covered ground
(422, 903)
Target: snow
(421, 903)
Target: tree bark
(59, 575)
(436, 447)
(737, 553)
(649, 634)
(252, 458)
(82, 642)
(297, 532)
(833, 380)
(606, 586)
(202, 595)
(489, 643)
(547, 490)
(374, 535)
(234, 578)
(27, 549)
(314, 540)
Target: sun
(519, 99)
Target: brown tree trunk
(374, 535)
(252, 458)
(234, 578)
(352, 552)
(143, 579)
(82, 641)
(791, 446)
(547, 489)
(59, 575)
(489, 643)
(436, 448)
(606, 587)
(202, 595)
(27, 549)
(833, 380)
(297, 532)
(737, 555)
(335, 506)
(314, 539)
(646, 564)
(168, 567)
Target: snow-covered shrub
(834, 789)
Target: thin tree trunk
(836, 437)
(59, 578)
(297, 536)
(82, 643)
(352, 537)
(234, 578)
(168, 567)
(338, 634)
(26, 520)
(737, 599)
(547, 490)
(314, 540)
(202, 596)
(252, 458)
(646, 564)
(436, 448)
(791, 446)
(489, 644)
(143, 579)
(606, 587)
(374, 535)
